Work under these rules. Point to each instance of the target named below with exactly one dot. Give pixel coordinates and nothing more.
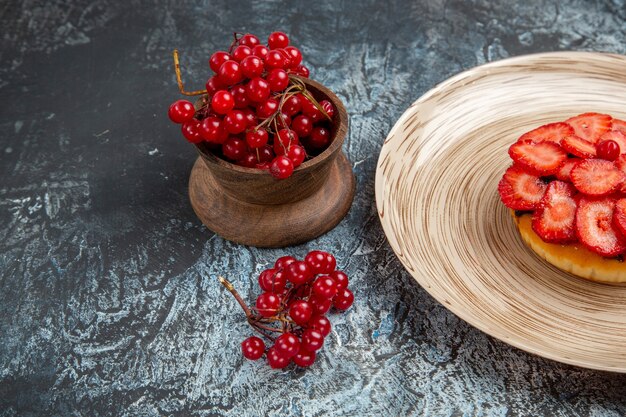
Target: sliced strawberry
(542, 158)
(590, 126)
(554, 221)
(520, 190)
(619, 216)
(564, 172)
(619, 125)
(552, 132)
(596, 177)
(594, 227)
(579, 147)
(616, 136)
(620, 163)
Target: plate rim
(379, 194)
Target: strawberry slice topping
(554, 221)
(579, 147)
(552, 132)
(616, 136)
(590, 126)
(520, 190)
(544, 158)
(619, 125)
(564, 172)
(619, 216)
(596, 177)
(594, 227)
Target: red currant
(230, 73)
(284, 120)
(276, 359)
(222, 102)
(302, 71)
(191, 131)
(252, 348)
(298, 272)
(304, 358)
(240, 95)
(325, 287)
(287, 58)
(267, 304)
(283, 141)
(277, 40)
(252, 67)
(249, 160)
(287, 344)
(281, 167)
(320, 323)
(266, 154)
(297, 154)
(260, 51)
(320, 305)
(341, 279)
(292, 105)
(283, 261)
(217, 59)
(267, 108)
(319, 262)
(331, 263)
(256, 138)
(277, 79)
(328, 108)
(213, 85)
(263, 165)
(311, 110)
(295, 56)
(181, 111)
(608, 149)
(343, 300)
(249, 40)
(250, 116)
(302, 125)
(312, 340)
(273, 280)
(235, 122)
(258, 90)
(320, 137)
(241, 52)
(300, 312)
(234, 148)
(212, 130)
(275, 59)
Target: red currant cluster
(297, 295)
(254, 112)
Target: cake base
(272, 226)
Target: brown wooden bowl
(249, 206)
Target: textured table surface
(108, 299)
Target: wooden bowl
(249, 206)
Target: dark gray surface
(108, 298)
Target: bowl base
(272, 226)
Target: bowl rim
(330, 150)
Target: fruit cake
(566, 190)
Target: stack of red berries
(297, 295)
(254, 112)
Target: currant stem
(235, 294)
(179, 79)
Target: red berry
(292, 105)
(298, 272)
(267, 304)
(331, 263)
(277, 40)
(302, 125)
(312, 340)
(217, 59)
(554, 220)
(256, 138)
(272, 280)
(235, 122)
(302, 71)
(252, 67)
(267, 108)
(213, 85)
(258, 90)
(295, 56)
(304, 358)
(283, 120)
(287, 344)
(276, 359)
(252, 348)
(240, 95)
(325, 286)
(249, 160)
(343, 300)
(249, 40)
(277, 79)
(241, 52)
(222, 102)
(300, 312)
(191, 131)
(297, 154)
(283, 261)
(328, 108)
(260, 51)
(320, 305)
(263, 165)
(320, 323)
(266, 154)
(311, 110)
(230, 73)
(234, 148)
(283, 141)
(341, 279)
(275, 59)
(543, 158)
(319, 262)
(212, 130)
(320, 137)
(250, 116)
(181, 111)
(608, 149)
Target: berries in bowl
(271, 171)
(567, 190)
